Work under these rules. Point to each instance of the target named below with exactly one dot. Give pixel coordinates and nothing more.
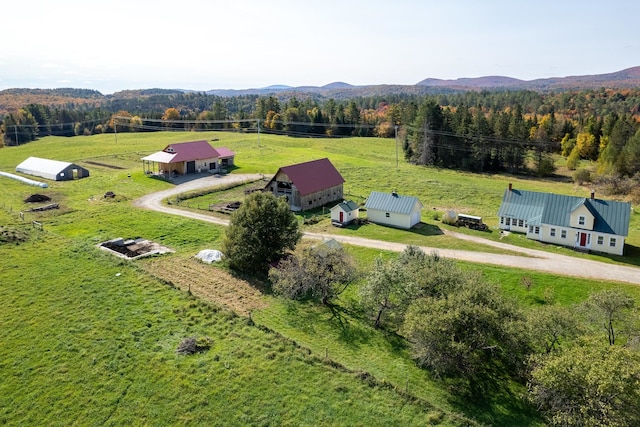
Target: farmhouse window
(531, 229)
(581, 220)
(537, 230)
(601, 240)
(501, 220)
(508, 221)
(612, 242)
(563, 234)
(386, 214)
(552, 232)
(520, 222)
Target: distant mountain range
(11, 99)
(628, 78)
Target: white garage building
(393, 209)
(51, 169)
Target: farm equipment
(472, 222)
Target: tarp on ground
(210, 255)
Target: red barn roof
(313, 176)
(225, 152)
(194, 150)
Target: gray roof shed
(392, 202)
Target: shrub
(581, 176)
(573, 161)
(192, 345)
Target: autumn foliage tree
(170, 116)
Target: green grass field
(90, 339)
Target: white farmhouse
(587, 224)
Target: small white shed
(344, 213)
(393, 209)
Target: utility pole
(15, 130)
(258, 132)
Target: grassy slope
(82, 345)
(92, 347)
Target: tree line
(513, 131)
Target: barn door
(191, 167)
(341, 216)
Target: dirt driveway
(530, 260)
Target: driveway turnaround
(530, 260)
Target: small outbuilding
(393, 209)
(52, 169)
(188, 157)
(344, 213)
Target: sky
(240, 44)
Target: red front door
(583, 239)
(341, 216)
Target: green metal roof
(392, 202)
(348, 206)
(555, 209)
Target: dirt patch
(45, 208)
(227, 208)
(103, 165)
(11, 235)
(37, 198)
(209, 283)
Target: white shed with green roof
(345, 213)
(393, 209)
(583, 223)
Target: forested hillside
(483, 131)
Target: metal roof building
(52, 169)
(189, 157)
(536, 208)
(393, 209)
(307, 185)
(584, 223)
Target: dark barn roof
(313, 176)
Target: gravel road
(530, 259)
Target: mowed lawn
(90, 339)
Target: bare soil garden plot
(208, 283)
